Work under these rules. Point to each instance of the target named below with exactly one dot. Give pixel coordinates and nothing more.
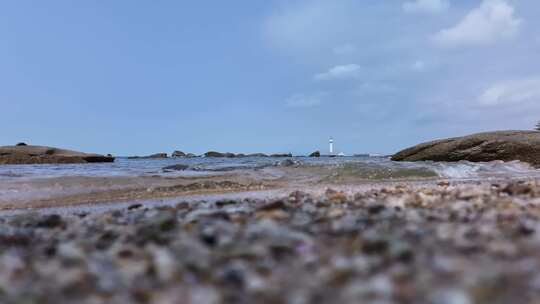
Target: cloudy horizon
(278, 76)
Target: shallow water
(26, 183)
(382, 166)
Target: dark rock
(21, 144)
(281, 155)
(223, 203)
(374, 246)
(257, 155)
(276, 205)
(178, 154)
(24, 154)
(190, 155)
(135, 206)
(218, 154)
(177, 167)
(377, 208)
(51, 221)
(315, 154)
(501, 145)
(209, 237)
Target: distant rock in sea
(315, 154)
(482, 147)
(178, 154)
(257, 155)
(281, 155)
(153, 156)
(25, 154)
(219, 154)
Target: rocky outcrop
(315, 154)
(257, 155)
(281, 155)
(501, 145)
(219, 154)
(153, 156)
(24, 154)
(178, 154)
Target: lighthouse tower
(331, 142)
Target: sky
(138, 77)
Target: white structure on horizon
(331, 146)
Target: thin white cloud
(519, 91)
(426, 6)
(307, 25)
(492, 21)
(340, 72)
(305, 100)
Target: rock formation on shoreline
(178, 154)
(482, 147)
(282, 155)
(25, 154)
(219, 154)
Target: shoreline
(251, 189)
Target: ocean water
(369, 167)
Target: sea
(201, 166)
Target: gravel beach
(441, 242)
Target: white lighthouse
(331, 143)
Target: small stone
(275, 205)
(336, 212)
(135, 206)
(517, 189)
(335, 197)
(443, 183)
(51, 221)
(224, 203)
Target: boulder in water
(257, 155)
(25, 154)
(482, 147)
(281, 155)
(178, 154)
(315, 154)
(219, 154)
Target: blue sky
(139, 77)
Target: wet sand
(80, 190)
